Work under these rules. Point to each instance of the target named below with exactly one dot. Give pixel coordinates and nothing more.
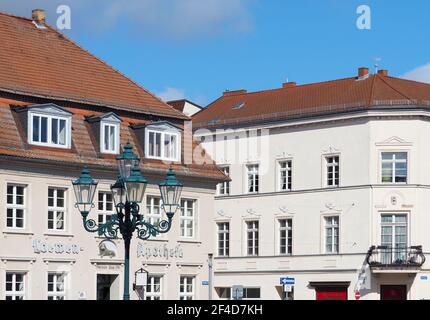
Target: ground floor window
(186, 288)
(15, 286)
(56, 286)
(248, 293)
(251, 293)
(154, 288)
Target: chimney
(383, 73)
(362, 72)
(289, 85)
(234, 92)
(38, 16)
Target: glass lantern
(135, 185)
(171, 190)
(127, 161)
(85, 189)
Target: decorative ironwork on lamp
(127, 192)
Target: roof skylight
(238, 105)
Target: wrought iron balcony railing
(387, 256)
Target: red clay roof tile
(304, 100)
(45, 63)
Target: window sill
(163, 159)
(55, 234)
(159, 239)
(23, 232)
(395, 183)
(51, 146)
(106, 238)
(189, 241)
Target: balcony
(400, 259)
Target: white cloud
(172, 19)
(421, 74)
(170, 94)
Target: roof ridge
(110, 66)
(296, 86)
(14, 16)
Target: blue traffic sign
(288, 280)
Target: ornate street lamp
(127, 192)
(170, 190)
(85, 188)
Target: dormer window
(110, 137)
(163, 141)
(49, 125)
(108, 127)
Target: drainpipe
(210, 264)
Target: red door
(332, 293)
(393, 292)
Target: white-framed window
(332, 171)
(285, 236)
(285, 172)
(394, 167)
(187, 218)
(223, 239)
(49, 130)
(252, 234)
(56, 209)
(224, 187)
(15, 206)
(154, 288)
(106, 206)
(15, 285)
(153, 209)
(163, 145)
(253, 178)
(394, 236)
(331, 234)
(56, 286)
(109, 137)
(186, 287)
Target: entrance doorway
(331, 293)
(397, 292)
(107, 287)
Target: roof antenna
(376, 65)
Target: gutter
(78, 166)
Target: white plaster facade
(358, 202)
(79, 259)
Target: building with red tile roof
(329, 189)
(62, 108)
(292, 101)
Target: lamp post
(127, 192)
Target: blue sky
(198, 48)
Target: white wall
(359, 202)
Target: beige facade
(36, 251)
(367, 211)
